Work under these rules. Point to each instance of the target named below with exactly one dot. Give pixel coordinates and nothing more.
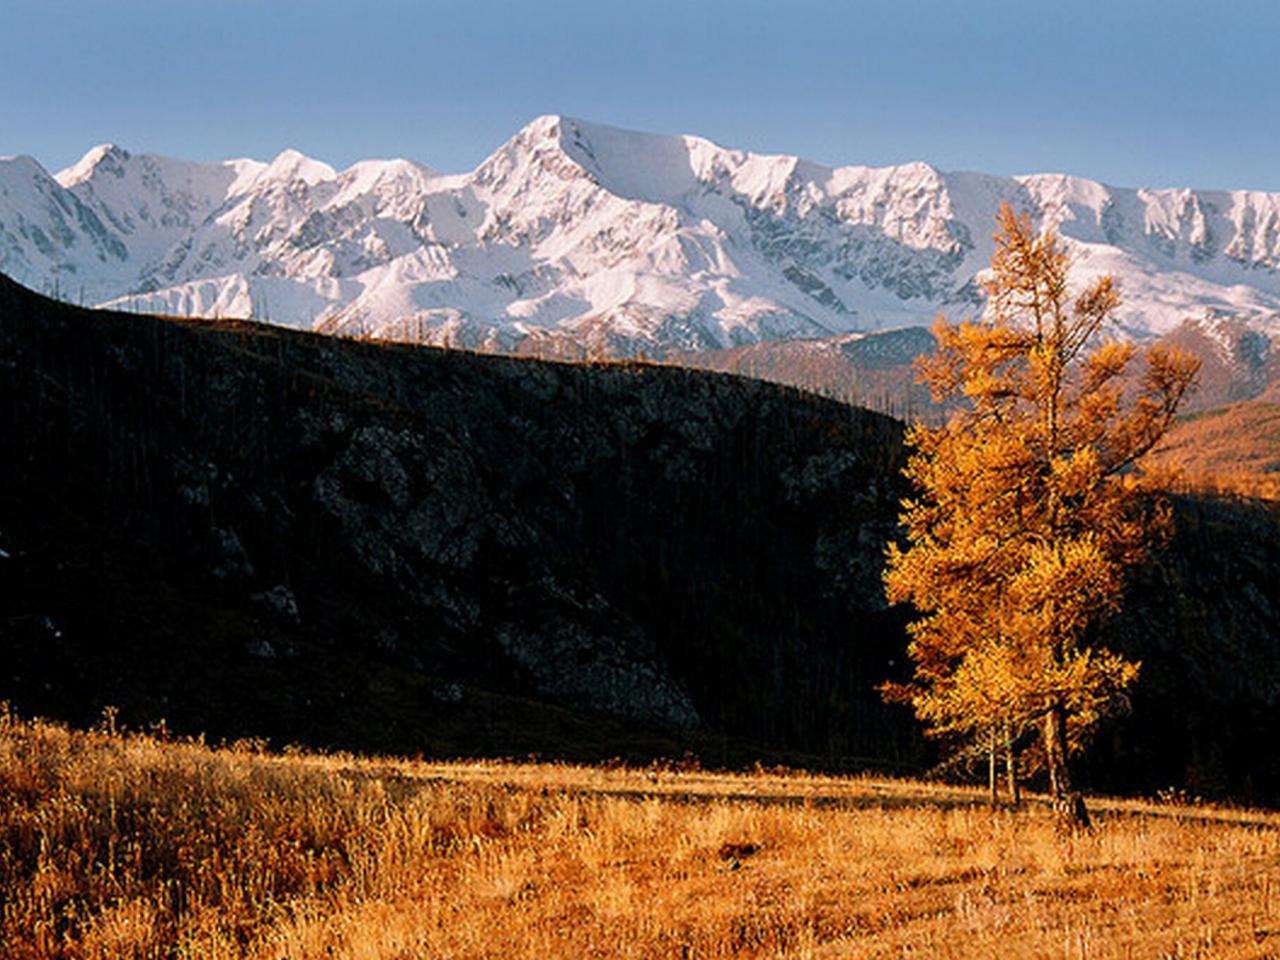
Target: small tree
(1024, 521)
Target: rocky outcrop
(634, 540)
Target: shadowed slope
(252, 531)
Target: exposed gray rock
(280, 601)
(569, 664)
(447, 693)
(261, 648)
(230, 560)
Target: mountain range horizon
(290, 151)
(611, 241)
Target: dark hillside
(1204, 619)
(252, 531)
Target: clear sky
(1131, 92)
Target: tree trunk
(991, 770)
(1010, 770)
(1068, 806)
(1055, 750)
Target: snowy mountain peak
(291, 165)
(105, 158)
(575, 235)
(380, 171)
(545, 127)
(635, 166)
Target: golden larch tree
(1025, 515)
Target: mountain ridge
(578, 235)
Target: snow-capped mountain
(577, 234)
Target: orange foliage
(1022, 528)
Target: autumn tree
(1025, 515)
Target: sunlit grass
(128, 846)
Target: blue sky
(1133, 93)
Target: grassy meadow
(125, 845)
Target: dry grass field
(130, 846)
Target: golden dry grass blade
(124, 846)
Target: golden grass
(126, 846)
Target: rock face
(660, 545)
(255, 531)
